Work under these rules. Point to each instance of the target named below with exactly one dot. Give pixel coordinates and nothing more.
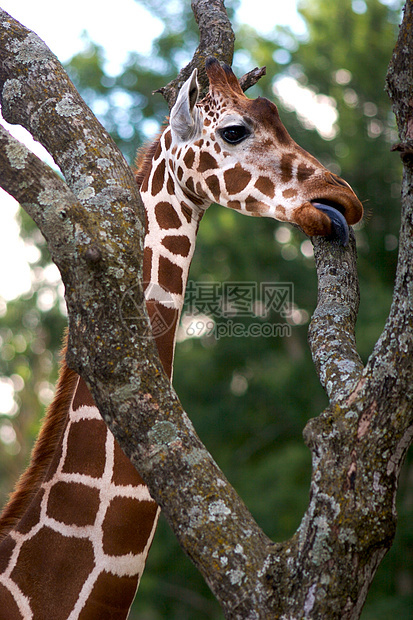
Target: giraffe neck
(173, 214)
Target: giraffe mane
(144, 156)
(42, 453)
(143, 160)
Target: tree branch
(251, 78)
(42, 193)
(331, 333)
(28, 72)
(393, 352)
(216, 38)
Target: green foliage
(249, 398)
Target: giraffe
(75, 534)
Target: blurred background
(248, 396)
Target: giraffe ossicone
(76, 532)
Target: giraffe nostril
(333, 179)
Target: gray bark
(93, 222)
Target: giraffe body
(75, 535)
(75, 514)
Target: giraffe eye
(234, 134)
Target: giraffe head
(235, 151)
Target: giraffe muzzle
(339, 226)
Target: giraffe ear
(185, 119)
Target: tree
(316, 530)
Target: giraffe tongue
(339, 225)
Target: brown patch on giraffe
(200, 216)
(129, 534)
(207, 122)
(180, 173)
(266, 186)
(213, 184)
(177, 244)
(290, 193)
(304, 172)
(55, 461)
(43, 452)
(236, 179)
(9, 604)
(73, 503)
(158, 178)
(190, 185)
(287, 160)
(187, 211)
(158, 150)
(234, 204)
(170, 187)
(199, 143)
(206, 162)
(166, 216)
(255, 207)
(56, 555)
(110, 598)
(143, 185)
(163, 321)
(251, 205)
(86, 437)
(168, 139)
(170, 276)
(7, 547)
(82, 396)
(31, 517)
(147, 265)
(124, 472)
(200, 190)
(189, 158)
